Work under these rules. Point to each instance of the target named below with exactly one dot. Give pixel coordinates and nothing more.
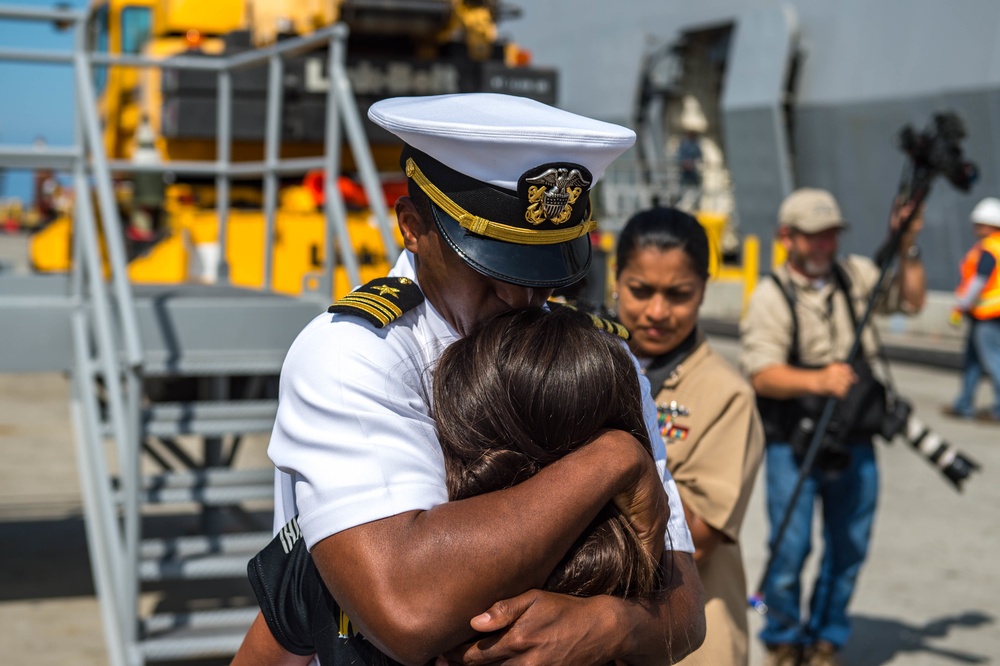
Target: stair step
(160, 363)
(191, 546)
(214, 476)
(226, 565)
(195, 646)
(209, 417)
(209, 496)
(208, 487)
(227, 618)
(200, 557)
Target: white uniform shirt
(354, 441)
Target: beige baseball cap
(810, 211)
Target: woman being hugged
(524, 389)
(707, 413)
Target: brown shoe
(821, 654)
(783, 655)
(986, 416)
(950, 411)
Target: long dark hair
(521, 391)
(664, 229)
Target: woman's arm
(705, 537)
(259, 648)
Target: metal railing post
(123, 404)
(343, 95)
(272, 149)
(333, 203)
(110, 222)
(127, 567)
(223, 150)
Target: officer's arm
(912, 276)
(410, 583)
(783, 382)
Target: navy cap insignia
(381, 301)
(552, 193)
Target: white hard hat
(987, 211)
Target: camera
(833, 454)
(952, 463)
(936, 150)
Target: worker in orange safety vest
(978, 299)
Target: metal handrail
(105, 330)
(340, 109)
(42, 14)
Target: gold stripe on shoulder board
(381, 301)
(612, 327)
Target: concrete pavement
(929, 596)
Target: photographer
(798, 329)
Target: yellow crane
(163, 116)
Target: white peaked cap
(496, 138)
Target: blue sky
(38, 99)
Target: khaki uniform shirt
(714, 442)
(826, 331)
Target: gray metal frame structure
(107, 340)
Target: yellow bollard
(751, 267)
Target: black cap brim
(541, 266)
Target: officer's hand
(643, 501)
(836, 380)
(900, 211)
(540, 627)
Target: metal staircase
(169, 382)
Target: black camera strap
(843, 282)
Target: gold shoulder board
(609, 325)
(381, 301)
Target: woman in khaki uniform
(707, 411)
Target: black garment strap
(794, 355)
(663, 365)
(300, 612)
(842, 281)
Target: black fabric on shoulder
(281, 578)
(381, 301)
(302, 615)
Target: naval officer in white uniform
(497, 217)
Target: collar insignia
(552, 193)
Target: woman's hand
(540, 627)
